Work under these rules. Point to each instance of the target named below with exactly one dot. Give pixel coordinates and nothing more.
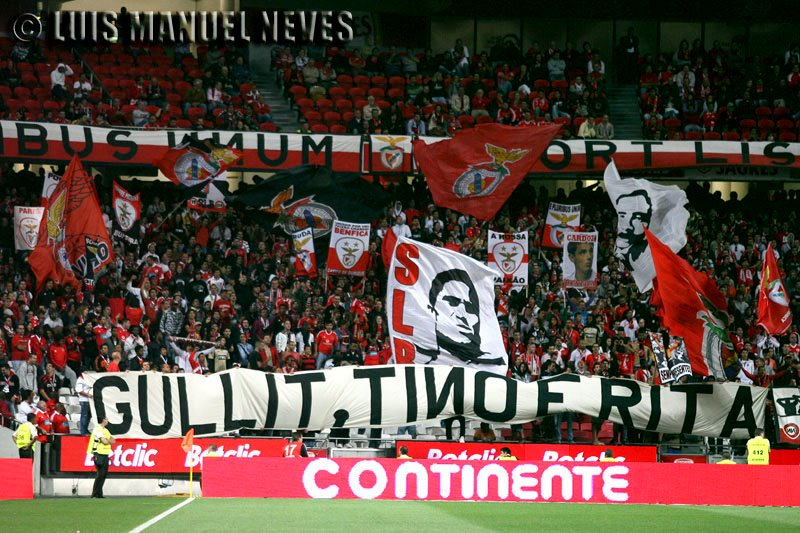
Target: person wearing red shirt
(19, 348)
(480, 105)
(59, 421)
(42, 422)
(325, 343)
(225, 307)
(296, 448)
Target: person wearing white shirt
(401, 229)
(579, 353)
(284, 336)
(749, 365)
(84, 392)
(630, 325)
(736, 248)
(58, 81)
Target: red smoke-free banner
(489, 451)
(17, 479)
(393, 479)
(163, 456)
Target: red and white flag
(305, 260)
(561, 219)
(774, 313)
(26, 226)
(476, 171)
(347, 254)
(440, 308)
(72, 215)
(127, 214)
(690, 306)
(508, 257)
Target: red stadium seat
(763, 111)
(396, 93)
(766, 124)
(397, 82)
(319, 128)
(357, 92)
(332, 117)
(466, 121)
(313, 116)
(379, 81)
(323, 104)
(343, 105)
(269, 127)
(731, 136)
(712, 136)
(338, 129)
(693, 136)
(787, 136)
(345, 81)
(337, 93)
(377, 92)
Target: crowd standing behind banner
(228, 280)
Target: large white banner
(787, 413)
(153, 405)
(508, 257)
(26, 226)
(579, 263)
(643, 204)
(347, 254)
(440, 307)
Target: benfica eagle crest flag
(127, 213)
(690, 306)
(774, 313)
(477, 170)
(313, 197)
(194, 162)
(305, 258)
(72, 215)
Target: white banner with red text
(393, 479)
(508, 257)
(150, 405)
(45, 142)
(348, 253)
(26, 226)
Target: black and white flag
(642, 204)
(441, 309)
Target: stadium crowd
(208, 292)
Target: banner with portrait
(579, 263)
(672, 362)
(26, 226)
(508, 257)
(348, 251)
(440, 308)
(787, 414)
(561, 219)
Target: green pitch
(214, 515)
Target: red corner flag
(188, 441)
(774, 313)
(477, 170)
(690, 306)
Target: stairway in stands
(624, 111)
(282, 114)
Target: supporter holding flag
(691, 307)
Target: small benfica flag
(188, 441)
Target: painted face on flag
(633, 216)
(582, 255)
(454, 301)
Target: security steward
(25, 437)
(758, 449)
(100, 444)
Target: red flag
(195, 162)
(690, 306)
(188, 441)
(72, 218)
(387, 247)
(477, 170)
(774, 313)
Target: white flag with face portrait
(580, 260)
(639, 204)
(440, 307)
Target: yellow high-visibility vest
(96, 445)
(758, 451)
(25, 436)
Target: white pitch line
(162, 516)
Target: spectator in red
(59, 421)
(325, 343)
